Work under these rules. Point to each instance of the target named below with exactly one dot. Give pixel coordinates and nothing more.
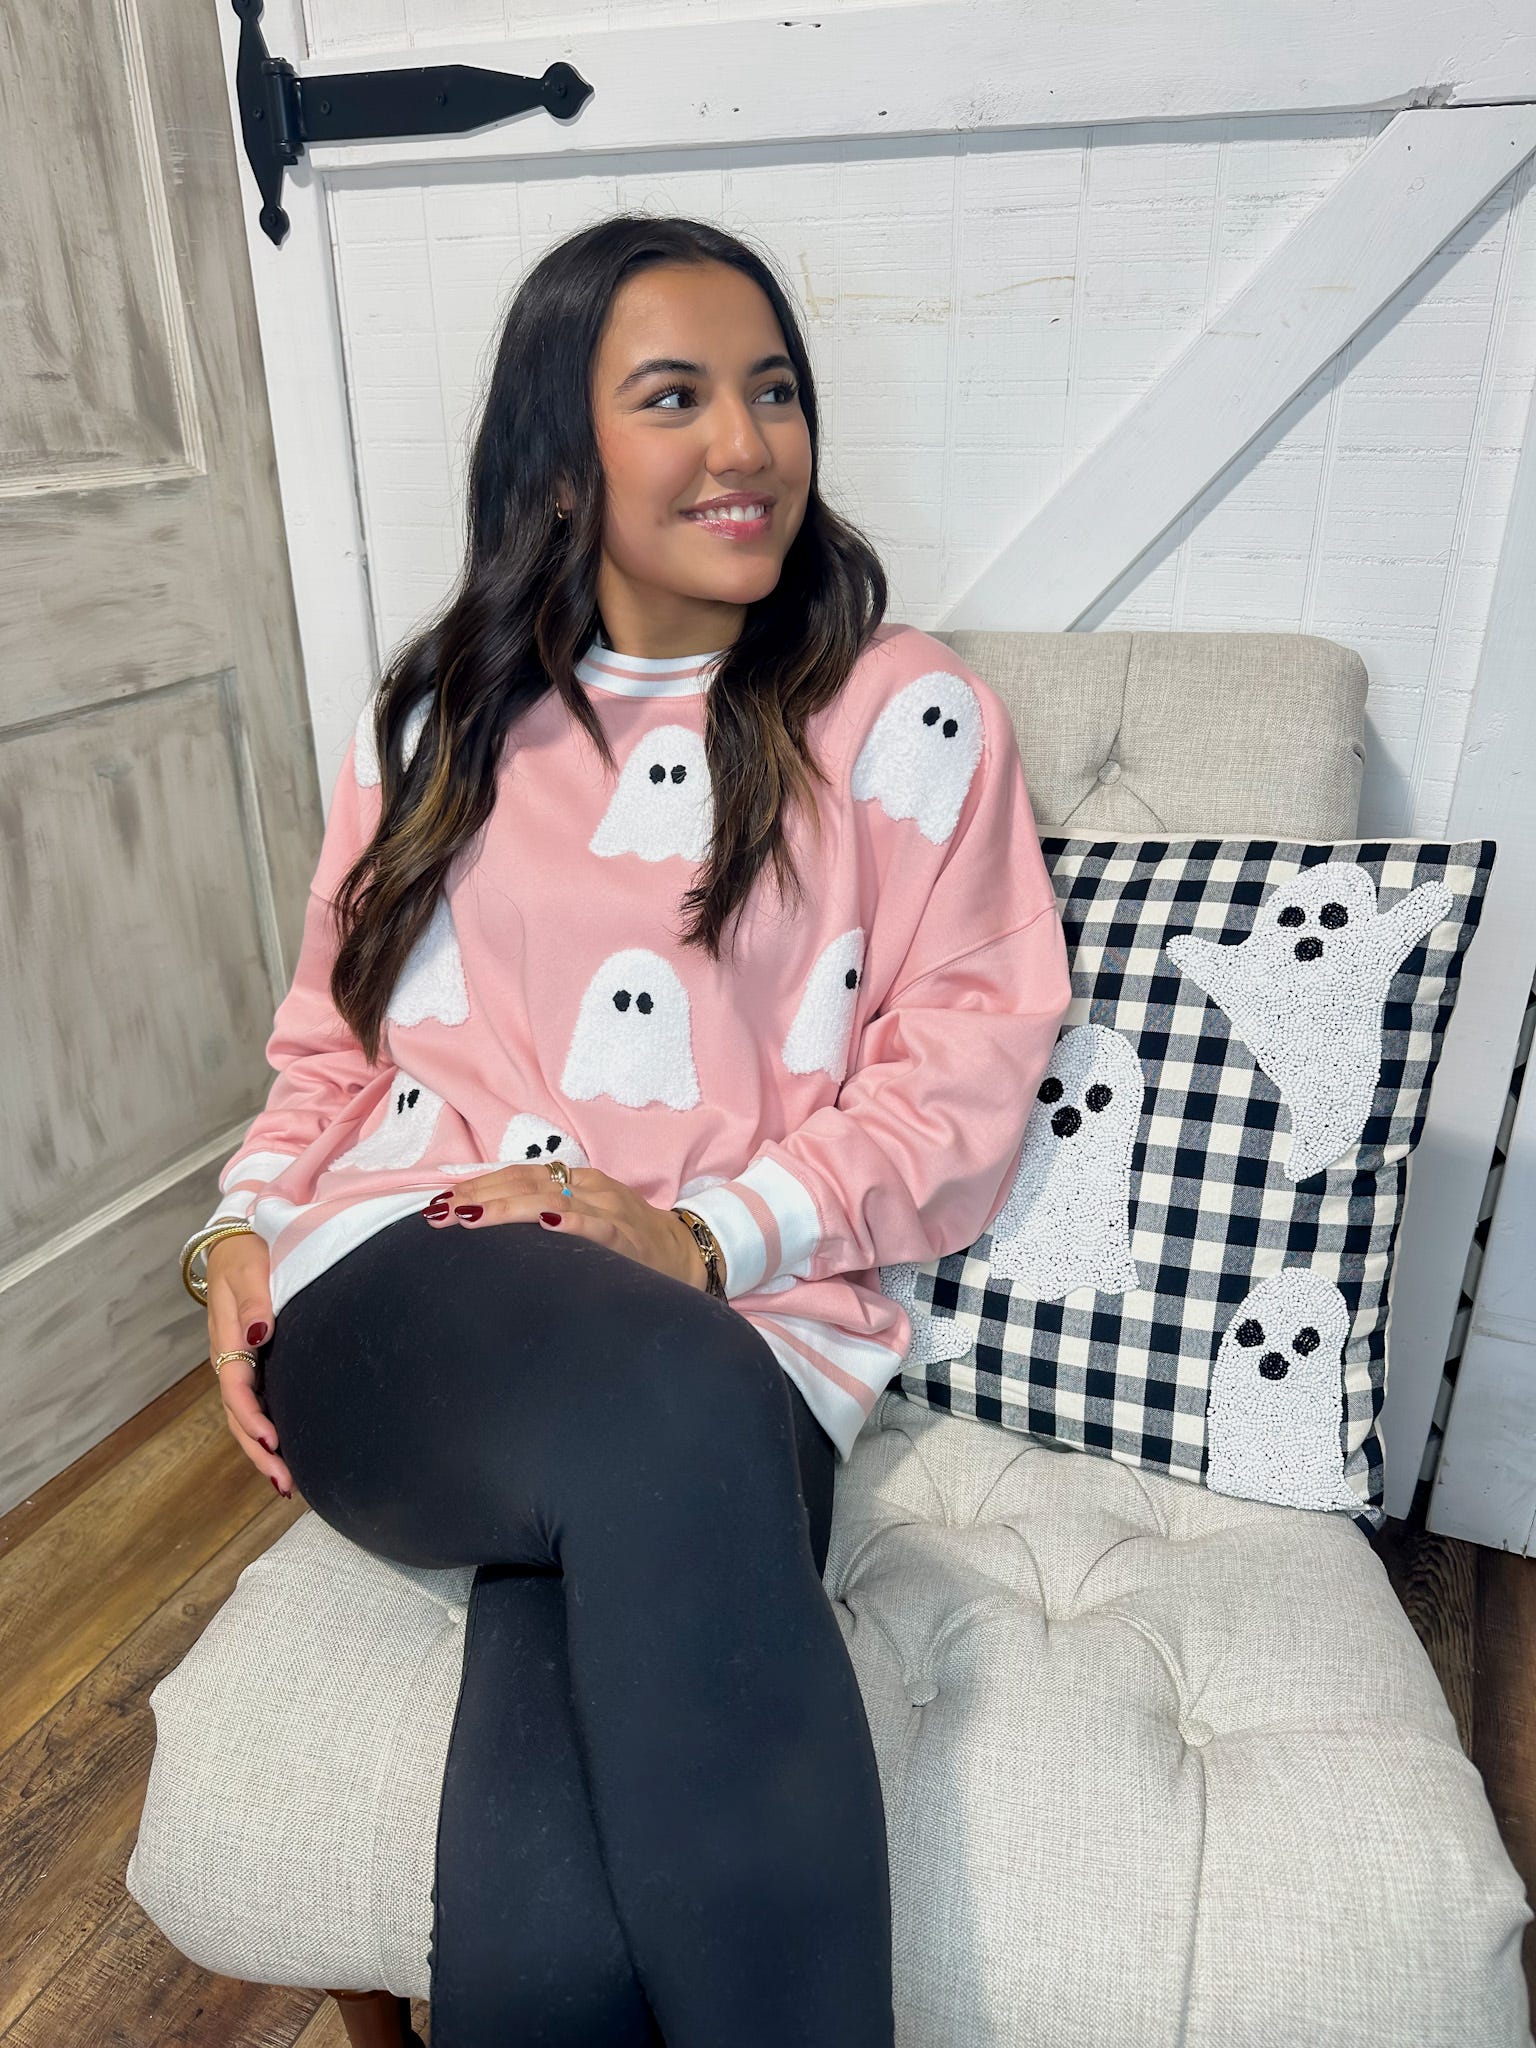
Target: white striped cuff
(234, 1208)
(256, 1166)
(766, 1223)
(236, 1205)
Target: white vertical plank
(1485, 1484)
(304, 350)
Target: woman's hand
(240, 1304)
(597, 1207)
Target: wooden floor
(112, 1571)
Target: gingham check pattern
(1212, 1212)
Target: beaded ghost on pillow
(1190, 1270)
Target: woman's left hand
(597, 1207)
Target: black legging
(662, 1819)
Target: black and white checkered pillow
(1190, 1271)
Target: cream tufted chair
(1161, 1767)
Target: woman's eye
(684, 391)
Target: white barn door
(1105, 338)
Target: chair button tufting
(1109, 771)
(1196, 1733)
(921, 1691)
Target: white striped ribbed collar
(643, 675)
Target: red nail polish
(437, 1208)
(273, 1477)
(549, 1216)
(470, 1211)
(256, 1334)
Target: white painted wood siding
(981, 312)
(986, 305)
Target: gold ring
(225, 1356)
(559, 1171)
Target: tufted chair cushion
(1159, 1766)
(1126, 733)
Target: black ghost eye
(552, 1142)
(934, 714)
(1273, 1367)
(1292, 914)
(1067, 1121)
(1309, 949)
(532, 1151)
(1051, 1089)
(851, 978)
(1099, 1097)
(1306, 1341)
(412, 1099)
(643, 1002)
(1249, 1333)
(1333, 917)
(621, 999)
(680, 772)
(658, 773)
(931, 714)
(951, 727)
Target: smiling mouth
(729, 522)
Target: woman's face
(671, 439)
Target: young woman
(555, 1249)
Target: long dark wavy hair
(524, 611)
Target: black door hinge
(281, 113)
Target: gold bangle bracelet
(709, 1251)
(199, 1243)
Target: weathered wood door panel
(159, 808)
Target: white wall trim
(942, 68)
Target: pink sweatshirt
(850, 1093)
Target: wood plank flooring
(110, 1573)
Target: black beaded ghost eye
(1309, 949)
(1293, 914)
(1099, 1097)
(1333, 917)
(1051, 1089)
(1305, 1341)
(1249, 1333)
